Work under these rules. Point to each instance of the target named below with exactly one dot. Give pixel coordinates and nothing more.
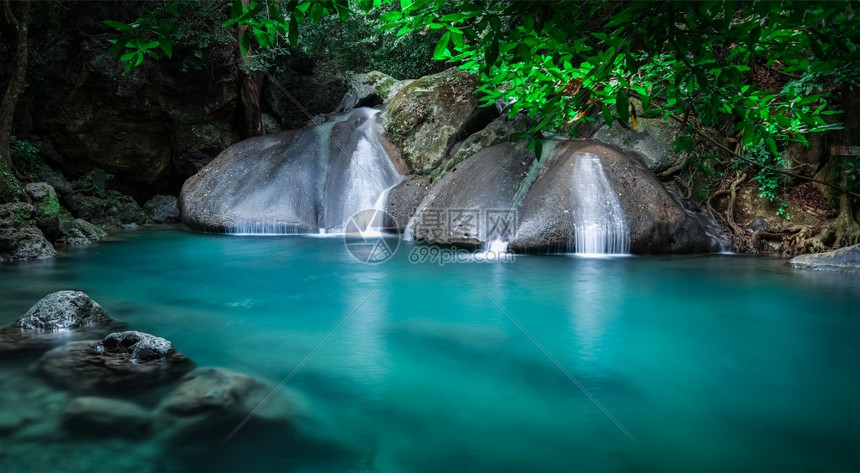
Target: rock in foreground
(58, 318)
(123, 361)
(63, 310)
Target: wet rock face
(542, 201)
(63, 310)
(428, 116)
(320, 86)
(470, 205)
(123, 361)
(403, 200)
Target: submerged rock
(124, 361)
(846, 259)
(212, 397)
(101, 415)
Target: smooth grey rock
(63, 310)
(289, 182)
(845, 259)
(101, 415)
(470, 203)
(122, 362)
(536, 200)
(404, 199)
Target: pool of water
(543, 363)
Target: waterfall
(361, 175)
(327, 174)
(599, 225)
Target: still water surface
(546, 363)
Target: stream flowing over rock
(297, 181)
(501, 193)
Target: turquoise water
(553, 363)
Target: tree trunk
(10, 189)
(249, 95)
(249, 92)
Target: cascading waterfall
(331, 172)
(599, 224)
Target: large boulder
(656, 221)
(845, 259)
(427, 117)
(20, 237)
(472, 204)
(500, 193)
(121, 362)
(296, 181)
(47, 205)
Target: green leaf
(118, 26)
(441, 46)
(622, 106)
(491, 54)
(127, 56)
(771, 144)
(293, 33)
(391, 16)
(454, 17)
(166, 45)
(684, 143)
(607, 114)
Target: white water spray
(599, 224)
